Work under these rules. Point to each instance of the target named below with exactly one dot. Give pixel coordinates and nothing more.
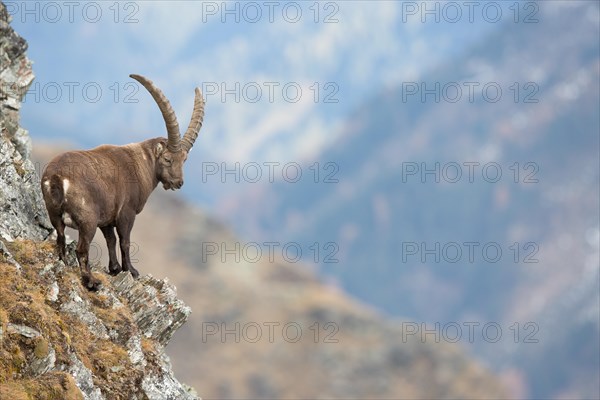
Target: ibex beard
(108, 186)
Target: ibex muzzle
(108, 186)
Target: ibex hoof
(91, 283)
(134, 272)
(115, 270)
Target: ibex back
(108, 186)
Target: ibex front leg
(124, 226)
(114, 268)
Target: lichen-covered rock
(111, 342)
(81, 309)
(22, 212)
(43, 358)
(84, 379)
(7, 257)
(156, 309)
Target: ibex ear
(158, 150)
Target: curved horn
(168, 114)
(195, 123)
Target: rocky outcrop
(21, 207)
(58, 340)
(109, 344)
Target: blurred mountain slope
(550, 127)
(351, 352)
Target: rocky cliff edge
(57, 340)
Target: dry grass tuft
(51, 386)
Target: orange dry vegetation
(23, 301)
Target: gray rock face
(157, 314)
(127, 318)
(22, 211)
(156, 309)
(43, 357)
(84, 379)
(7, 257)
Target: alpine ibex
(108, 186)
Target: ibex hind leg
(86, 234)
(59, 225)
(114, 268)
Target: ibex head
(172, 153)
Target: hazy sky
(280, 78)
